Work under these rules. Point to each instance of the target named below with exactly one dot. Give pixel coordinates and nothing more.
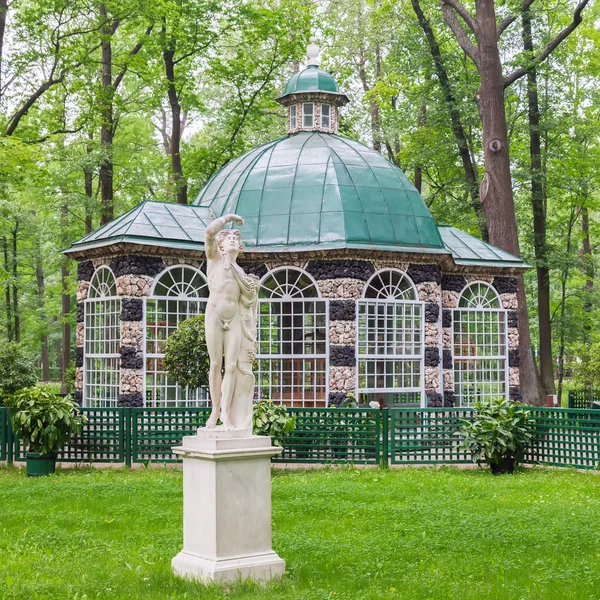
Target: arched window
(102, 341)
(480, 345)
(179, 292)
(293, 340)
(389, 342)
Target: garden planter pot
(506, 465)
(40, 464)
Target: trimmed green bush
(186, 355)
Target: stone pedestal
(227, 508)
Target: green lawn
(346, 534)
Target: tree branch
(511, 18)
(132, 53)
(464, 14)
(545, 53)
(461, 35)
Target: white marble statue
(230, 324)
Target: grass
(345, 534)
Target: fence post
(10, 442)
(127, 434)
(385, 433)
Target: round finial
(312, 51)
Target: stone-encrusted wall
(135, 276)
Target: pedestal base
(227, 508)
(260, 567)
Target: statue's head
(230, 242)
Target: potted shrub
(499, 434)
(44, 422)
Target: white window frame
(470, 313)
(328, 116)
(293, 117)
(305, 115)
(193, 305)
(398, 299)
(293, 295)
(102, 303)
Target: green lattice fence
(155, 431)
(582, 398)
(334, 435)
(3, 433)
(566, 438)
(426, 436)
(104, 438)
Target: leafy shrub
(43, 420)
(16, 370)
(273, 420)
(500, 429)
(186, 355)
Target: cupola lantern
(312, 97)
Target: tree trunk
(88, 182)
(176, 167)
(9, 325)
(15, 286)
(587, 259)
(41, 292)
(3, 11)
(496, 186)
(563, 309)
(539, 217)
(373, 105)
(106, 127)
(66, 306)
(455, 120)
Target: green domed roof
(311, 79)
(321, 189)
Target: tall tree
(496, 186)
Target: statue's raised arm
(212, 231)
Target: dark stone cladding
(340, 269)
(513, 358)
(342, 356)
(506, 285)
(132, 309)
(424, 273)
(337, 398)
(342, 310)
(78, 397)
(446, 358)
(515, 394)
(434, 400)
(131, 357)
(80, 312)
(432, 312)
(79, 356)
(133, 400)
(453, 283)
(85, 270)
(513, 318)
(446, 318)
(258, 269)
(449, 400)
(132, 264)
(432, 356)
